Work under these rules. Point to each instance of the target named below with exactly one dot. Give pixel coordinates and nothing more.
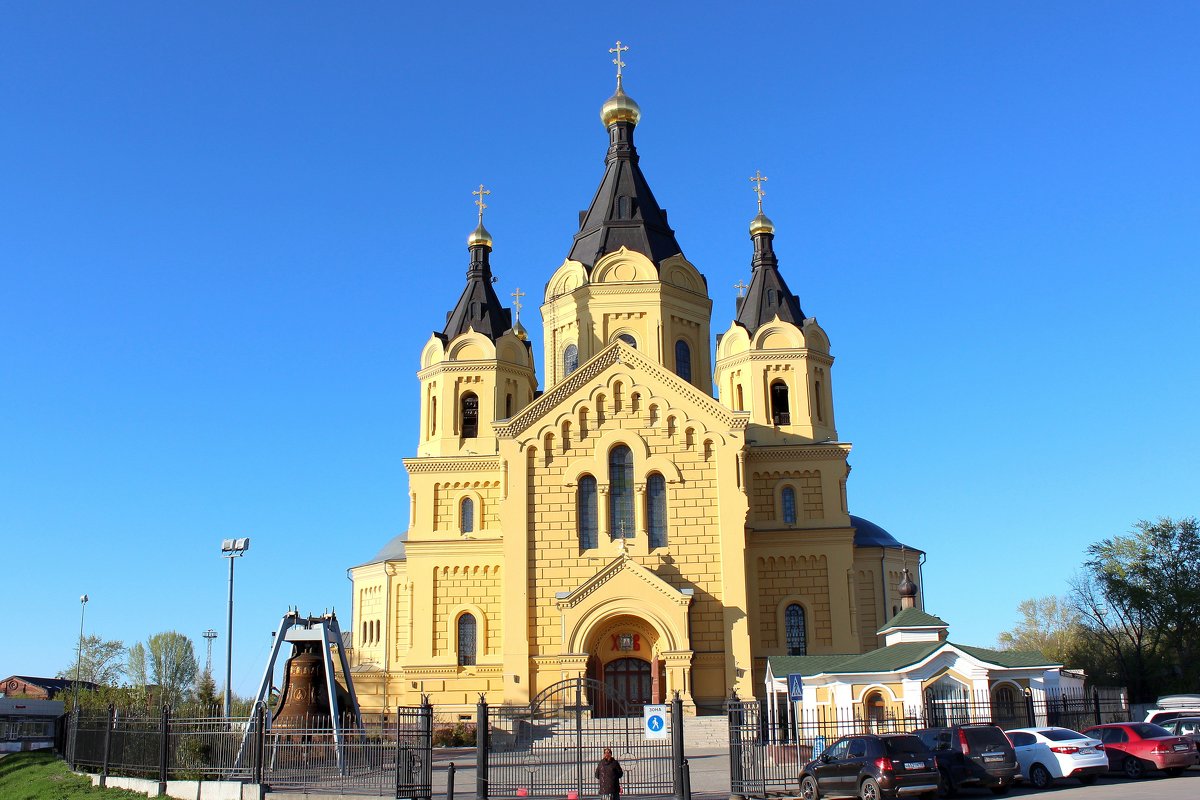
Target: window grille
(470, 416)
(620, 492)
(468, 515)
(466, 640)
(789, 505)
(656, 510)
(683, 360)
(586, 514)
(570, 360)
(796, 630)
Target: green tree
(206, 690)
(98, 661)
(172, 662)
(1050, 625)
(1139, 595)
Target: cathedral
(655, 518)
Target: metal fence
(387, 758)
(550, 747)
(770, 741)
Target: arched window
(780, 413)
(433, 416)
(466, 518)
(789, 505)
(628, 339)
(795, 630)
(466, 640)
(470, 416)
(585, 501)
(570, 359)
(656, 510)
(741, 402)
(818, 401)
(683, 360)
(620, 492)
(508, 405)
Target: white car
(1045, 754)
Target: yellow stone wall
(469, 587)
(803, 578)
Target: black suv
(871, 767)
(976, 754)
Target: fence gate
(550, 747)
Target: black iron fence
(386, 758)
(769, 741)
(550, 747)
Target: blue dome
(393, 550)
(868, 534)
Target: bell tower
(479, 368)
(774, 362)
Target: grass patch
(42, 776)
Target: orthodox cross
(516, 296)
(741, 287)
(757, 180)
(480, 192)
(618, 50)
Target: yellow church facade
(659, 517)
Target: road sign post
(654, 722)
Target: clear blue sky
(225, 233)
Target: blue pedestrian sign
(654, 722)
(795, 687)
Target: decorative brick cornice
(616, 352)
(490, 365)
(812, 452)
(456, 464)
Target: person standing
(609, 774)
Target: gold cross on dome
(757, 180)
(516, 296)
(480, 192)
(741, 287)
(618, 50)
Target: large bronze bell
(305, 700)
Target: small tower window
(570, 360)
(508, 405)
(789, 505)
(470, 416)
(683, 360)
(819, 405)
(467, 515)
(795, 630)
(620, 492)
(656, 510)
(628, 339)
(585, 500)
(741, 401)
(433, 416)
(780, 413)
(466, 640)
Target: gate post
(108, 728)
(481, 748)
(260, 741)
(1096, 704)
(677, 759)
(72, 737)
(578, 739)
(164, 749)
(426, 744)
(736, 780)
(1029, 708)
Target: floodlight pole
(83, 601)
(231, 549)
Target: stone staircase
(706, 731)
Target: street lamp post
(231, 549)
(83, 600)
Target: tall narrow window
(585, 500)
(780, 413)
(741, 402)
(507, 406)
(467, 515)
(620, 492)
(796, 630)
(683, 360)
(656, 510)
(470, 416)
(466, 640)
(818, 403)
(433, 416)
(570, 360)
(789, 505)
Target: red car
(1136, 747)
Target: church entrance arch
(624, 655)
(630, 680)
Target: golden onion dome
(761, 224)
(620, 108)
(479, 236)
(519, 331)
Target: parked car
(976, 754)
(1188, 728)
(1173, 706)
(1137, 747)
(1047, 754)
(871, 767)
